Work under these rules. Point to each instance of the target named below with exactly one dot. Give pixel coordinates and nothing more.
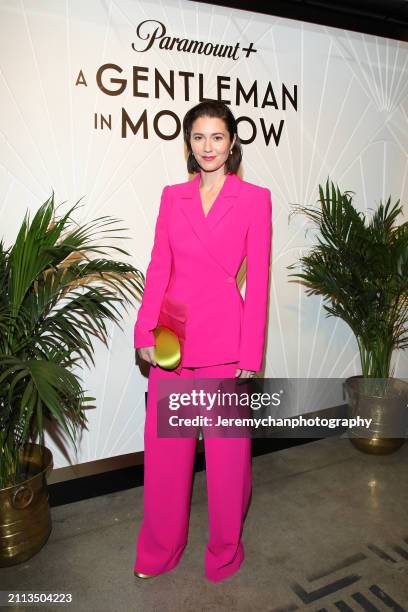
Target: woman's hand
(244, 373)
(147, 354)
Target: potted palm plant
(55, 297)
(360, 268)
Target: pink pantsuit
(194, 261)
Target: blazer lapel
(223, 205)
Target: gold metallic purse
(167, 350)
(170, 334)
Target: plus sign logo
(152, 33)
(249, 49)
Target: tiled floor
(327, 529)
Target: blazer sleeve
(157, 277)
(258, 250)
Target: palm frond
(60, 286)
(360, 268)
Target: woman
(204, 230)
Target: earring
(230, 151)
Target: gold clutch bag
(170, 334)
(167, 351)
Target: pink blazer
(195, 260)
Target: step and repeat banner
(92, 99)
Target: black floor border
(77, 489)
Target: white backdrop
(349, 122)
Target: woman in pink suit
(204, 230)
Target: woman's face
(210, 142)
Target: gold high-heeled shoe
(140, 575)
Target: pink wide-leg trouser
(168, 473)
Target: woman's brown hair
(213, 108)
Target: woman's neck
(209, 180)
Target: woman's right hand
(147, 353)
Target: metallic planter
(385, 401)
(25, 518)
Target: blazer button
(230, 279)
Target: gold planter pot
(384, 400)
(25, 518)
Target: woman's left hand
(244, 373)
